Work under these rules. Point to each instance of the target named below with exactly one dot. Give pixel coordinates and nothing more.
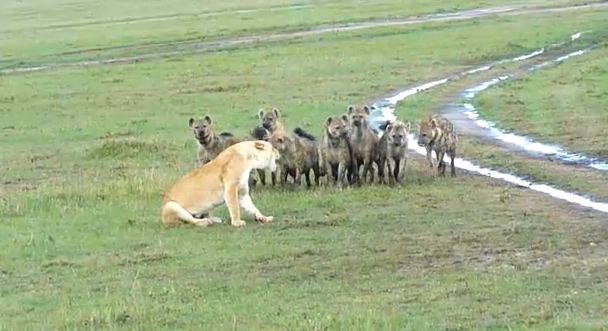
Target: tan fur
(363, 141)
(225, 179)
(259, 133)
(335, 153)
(393, 151)
(299, 156)
(210, 144)
(436, 133)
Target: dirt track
(179, 48)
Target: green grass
(37, 28)
(85, 155)
(572, 112)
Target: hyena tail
(301, 133)
(226, 134)
(383, 126)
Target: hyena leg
(341, 174)
(250, 208)
(331, 176)
(391, 169)
(273, 178)
(317, 171)
(401, 170)
(262, 176)
(368, 171)
(441, 165)
(307, 177)
(284, 174)
(429, 156)
(231, 196)
(381, 165)
(452, 157)
(296, 177)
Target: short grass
(572, 111)
(31, 29)
(86, 154)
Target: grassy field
(85, 155)
(571, 113)
(35, 29)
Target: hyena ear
(366, 108)
(261, 113)
(276, 112)
(434, 123)
(350, 109)
(190, 122)
(208, 120)
(328, 121)
(345, 118)
(259, 145)
(388, 128)
(409, 126)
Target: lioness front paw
(203, 222)
(264, 219)
(238, 223)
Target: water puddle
(524, 142)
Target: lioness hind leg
(173, 213)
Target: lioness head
(427, 131)
(266, 156)
(336, 126)
(397, 133)
(201, 128)
(358, 115)
(270, 118)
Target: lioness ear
(261, 113)
(259, 145)
(366, 108)
(208, 119)
(328, 121)
(190, 122)
(350, 109)
(345, 118)
(276, 112)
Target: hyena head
(260, 133)
(428, 130)
(201, 128)
(282, 143)
(270, 119)
(336, 126)
(358, 115)
(397, 133)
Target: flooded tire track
(188, 47)
(383, 110)
(491, 130)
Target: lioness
(223, 179)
